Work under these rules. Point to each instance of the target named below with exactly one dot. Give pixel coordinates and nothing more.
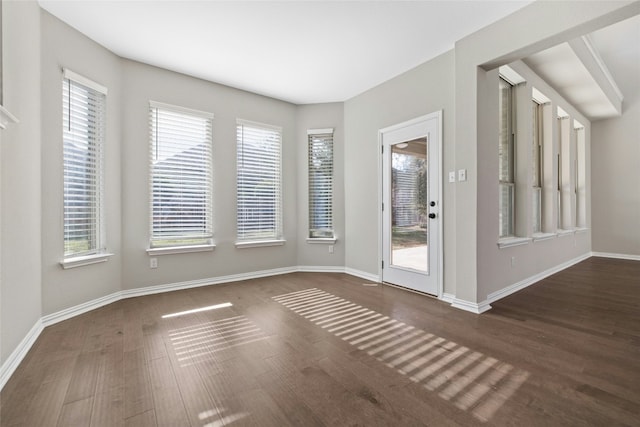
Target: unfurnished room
(319, 213)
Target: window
(581, 176)
(321, 183)
(181, 177)
(83, 121)
(565, 218)
(506, 153)
(259, 202)
(537, 169)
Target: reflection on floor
(472, 381)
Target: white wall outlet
(452, 176)
(462, 175)
(153, 262)
(330, 249)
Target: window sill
(259, 243)
(179, 250)
(80, 261)
(322, 240)
(538, 237)
(6, 117)
(513, 241)
(562, 233)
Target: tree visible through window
(321, 184)
(259, 202)
(181, 176)
(83, 120)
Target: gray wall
(495, 269)
(615, 165)
(422, 90)
(20, 277)
(485, 50)
(142, 83)
(64, 47)
(319, 117)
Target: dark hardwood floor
(313, 349)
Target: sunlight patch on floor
(200, 342)
(472, 381)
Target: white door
(411, 204)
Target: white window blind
(181, 176)
(259, 203)
(321, 183)
(83, 121)
(506, 153)
(537, 170)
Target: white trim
(320, 131)
(68, 313)
(321, 240)
(156, 289)
(561, 232)
(179, 109)
(616, 256)
(81, 261)
(258, 125)
(539, 97)
(438, 116)
(84, 81)
(448, 298)
(180, 249)
(6, 117)
(513, 241)
(362, 274)
(320, 269)
(495, 296)
(538, 237)
(581, 230)
(15, 358)
(477, 308)
(588, 42)
(510, 75)
(260, 243)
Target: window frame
(320, 191)
(161, 241)
(537, 198)
(271, 137)
(510, 160)
(84, 133)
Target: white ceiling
(298, 51)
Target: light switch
(462, 174)
(452, 176)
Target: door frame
(440, 246)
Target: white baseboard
(68, 313)
(616, 256)
(448, 298)
(362, 274)
(320, 269)
(13, 361)
(157, 289)
(495, 296)
(473, 307)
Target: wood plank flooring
(315, 349)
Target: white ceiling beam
(587, 53)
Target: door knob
(432, 215)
